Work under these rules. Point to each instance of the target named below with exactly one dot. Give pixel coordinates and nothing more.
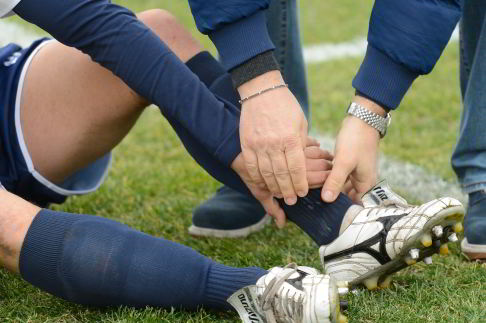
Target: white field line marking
(354, 48)
(405, 177)
(312, 54)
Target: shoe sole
(473, 251)
(236, 233)
(447, 218)
(330, 287)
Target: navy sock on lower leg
(96, 261)
(320, 220)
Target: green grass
(321, 21)
(154, 185)
(424, 128)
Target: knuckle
(297, 170)
(251, 167)
(292, 141)
(273, 143)
(261, 184)
(251, 141)
(282, 174)
(266, 173)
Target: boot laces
(287, 308)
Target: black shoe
(228, 214)
(474, 242)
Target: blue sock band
(96, 261)
(320, 220)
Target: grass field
(154, 185)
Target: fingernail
(302, 193)
(291, 200)
(328, 196)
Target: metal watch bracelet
(373, 119)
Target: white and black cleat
(387, 235)
(437, 231)
(294, 294)
(453, 238)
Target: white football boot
(292, 294)
(388, 234)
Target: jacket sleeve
(114, 38)
(237, 28)
(405, 40)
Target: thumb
(335, 182)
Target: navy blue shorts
(17, 172)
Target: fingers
(335, 182)
(294, 154)
(317, 165)
(314, 152)
(282, 175)
(273, 209)
(348, 187)
(266, 171)
(270, 170)
(312, 142)
(251, 163)
(317, 178)
(355, 196)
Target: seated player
(62, 113)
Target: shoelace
(291, 307)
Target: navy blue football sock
(320, 220)
(96, 261)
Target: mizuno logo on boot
(381, 193)
(251, 314)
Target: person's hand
(273, 132)
(318, 164)
(355, 166)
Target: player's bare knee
(172, 32)
(157, 18)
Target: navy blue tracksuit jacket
(405, 39)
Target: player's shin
(96, 261)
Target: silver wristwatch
(375, 120)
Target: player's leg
(363, 245)
(321, 221)
(66, 93)
(90, 132)
(469, 158)
(95, 261)
(229, 213)
(49, 217)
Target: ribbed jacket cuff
(242, 40)
(382, 79)
(42, 250)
